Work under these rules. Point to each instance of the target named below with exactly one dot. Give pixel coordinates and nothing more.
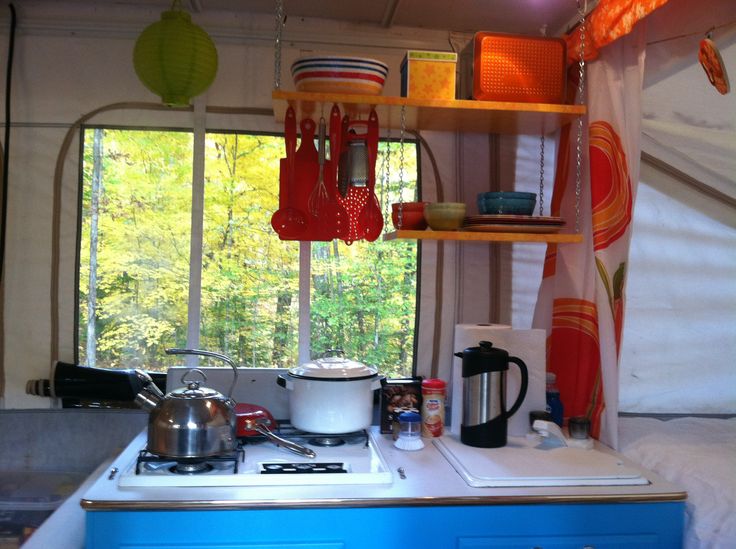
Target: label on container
(433, 415)
(431, 56)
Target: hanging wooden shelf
(434, 114)
(561, 238)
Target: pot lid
(484, 358)
(193, 390)
(485, 351)
(409, 417)
(334, 366)
(433, 383)
(196, 392)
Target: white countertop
(428, 479)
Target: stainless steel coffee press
(485, 417)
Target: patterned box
(399, 395)
(428, 75)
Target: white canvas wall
(57, 79)
(61, 73)
(686, 122)
(71, 59)
(679, 339)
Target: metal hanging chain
(277, 52)
(385, 198)
(401, 151)
(541, 175)
(401, 166)
(382, 178)
(579, 141)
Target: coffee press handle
(524, 385)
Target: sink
(27, 498)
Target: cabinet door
(555, 526)
(166, 545)
(642, 541)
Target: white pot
(331, 395)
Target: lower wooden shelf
(561, 238)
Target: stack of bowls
(506, 203)
(445, 216)
(412, 215)
(339, 74)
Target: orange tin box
(428, 74)
(508, 67)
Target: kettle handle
(524, 384)
(200, 352)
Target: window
(134, 267)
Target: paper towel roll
(528, 345)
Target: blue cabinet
(647, 525)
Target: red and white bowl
(339, 74)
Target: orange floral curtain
(582, 295)
(610, 20)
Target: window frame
(305, 247)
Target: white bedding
(698, 454)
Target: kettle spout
(147, 399)
(149, 395)
(145, 381)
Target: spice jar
(433, 407)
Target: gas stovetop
(258, 462)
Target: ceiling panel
(352, 11)
(516, 16)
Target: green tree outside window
(134, 259)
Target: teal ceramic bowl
(508, 203)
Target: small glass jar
(579, 427)
(410, 432)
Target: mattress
(699, 454)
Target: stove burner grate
(301, 468)
(327, 441)
(189, 466)
(290, 432)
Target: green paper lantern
(174, 58)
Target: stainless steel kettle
(485, 417)
(192, 422)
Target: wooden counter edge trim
(254, 505)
